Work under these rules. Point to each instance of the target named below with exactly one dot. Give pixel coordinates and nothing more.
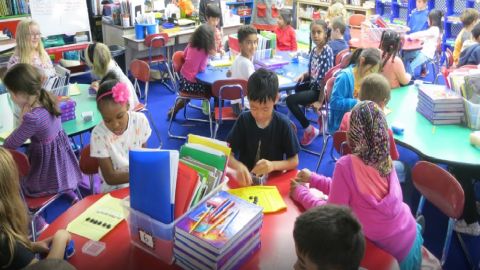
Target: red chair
(356, 20)
(35, 205)
(178, 60)
(442, 190)
(89, 166)
(141, 72)
(155, 61)
(340, 144)
(229, 89)
(340, 55)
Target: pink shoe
(309, 135)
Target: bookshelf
(305, 9)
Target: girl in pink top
(393, 68)
(366, 182)
(201, 45)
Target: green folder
(209, 158)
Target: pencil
(214, 225)
(200, 220)
(224, 210)
(229, 221)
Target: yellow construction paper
(107, 210)
(73, 90)
(283, 80)
(212, 143)
(268, 197)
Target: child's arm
(302, 195)
(19, 136)
(264, 166)
(59, 243)
(401, 74)
(393, 146)
(342, 98)
(110, 175)
(321, 182)
(422, 35)
(243, 176)
(293, 38)
(339, 192)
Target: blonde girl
(339, 10)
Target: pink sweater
(387, 222)
(195, 62)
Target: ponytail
(48, 102)
(355, 58)
(372, 57)
(390, 45)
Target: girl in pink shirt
(393, 68)
(201, 45)
(366, 182)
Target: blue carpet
(160, 100)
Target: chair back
(178, 59)
(329, 88)
(449, 58)
(140, 70)
(340, 143)
(356, 20)
(230, 89)
(88, 164)
(341, 55)
(156, 40)
(23, 165)
(439, 187)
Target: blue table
(289, 73)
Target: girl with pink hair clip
(120, 131)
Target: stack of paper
(221, 233)
(439, 104)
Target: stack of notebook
(220, 233)
(67, 108)
(439, 104)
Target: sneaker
(309, 135)
(471, 229)
(205, 107)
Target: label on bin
(146, 238)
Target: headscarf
(368, 136)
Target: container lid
(93, 248)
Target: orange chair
(89, 166)
(178, 60)
(442, 190)
(229, 89)
(35, 205)
(156, 42)
(356, 20)
(141, 72)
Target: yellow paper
(221, 63)
(283, 80)
(268, 197)
(107, 210)
(212, 143)
(5, 134)
(73, 90)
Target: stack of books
(439, 104)
(67, 108)
(221, 233)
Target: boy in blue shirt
(419, 17)
(337, 41)
(262, 139)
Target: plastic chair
(448, 65)
(89, 166)
(442, 190)
(229, 89)
(141, 72)
(356, 20)
(340, 55)
(340, 144)
(153, 42)
(35, 205)
(178, 59)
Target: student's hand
(304, 176)
(62, 236)
(263, 167)
(293, 185)
(95, 85)
(243, 176)
(229, 73)
(317, 105)
(42, 246)
(300, 78)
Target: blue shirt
(341, 99)
(418, 20)
(337, 46)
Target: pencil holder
(151, 29)
(139, 31)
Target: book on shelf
(438, 94)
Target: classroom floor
(160, 100)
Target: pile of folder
(222, 232)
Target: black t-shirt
(22, 256)
(250, 143)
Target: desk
(136, 49)
(7, 45)
(442, 143)
(357, 42)
(277, 249)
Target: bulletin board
(266, 12)
(57, 17)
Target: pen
(229, 221)
(200, 219)
(214, 225)
(224, 210)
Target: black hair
(263, 86)
(27, 79)
(203, 38)
(390, 44)
(435, 17)
(245, 31)
(330, 236)
(213, 11)
(371, 55)
(286, 16)
(339, 23)
(105, 86)
(476, 31)
(324, 25)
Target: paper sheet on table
(73, 90)
(283, 80)
(107, 210)
(268, 197)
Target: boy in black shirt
(262, 139)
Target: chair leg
(157, 133)
(448, 238)
(465, 251)
(147, 84)
(170, 88)
(322, 153)
(92, 187)
(170, 134)
(32, 228)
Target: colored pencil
(214, 225)
(200, 219)
(229, 221)
(224, 210)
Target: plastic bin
(472, 114)
(118, 54)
